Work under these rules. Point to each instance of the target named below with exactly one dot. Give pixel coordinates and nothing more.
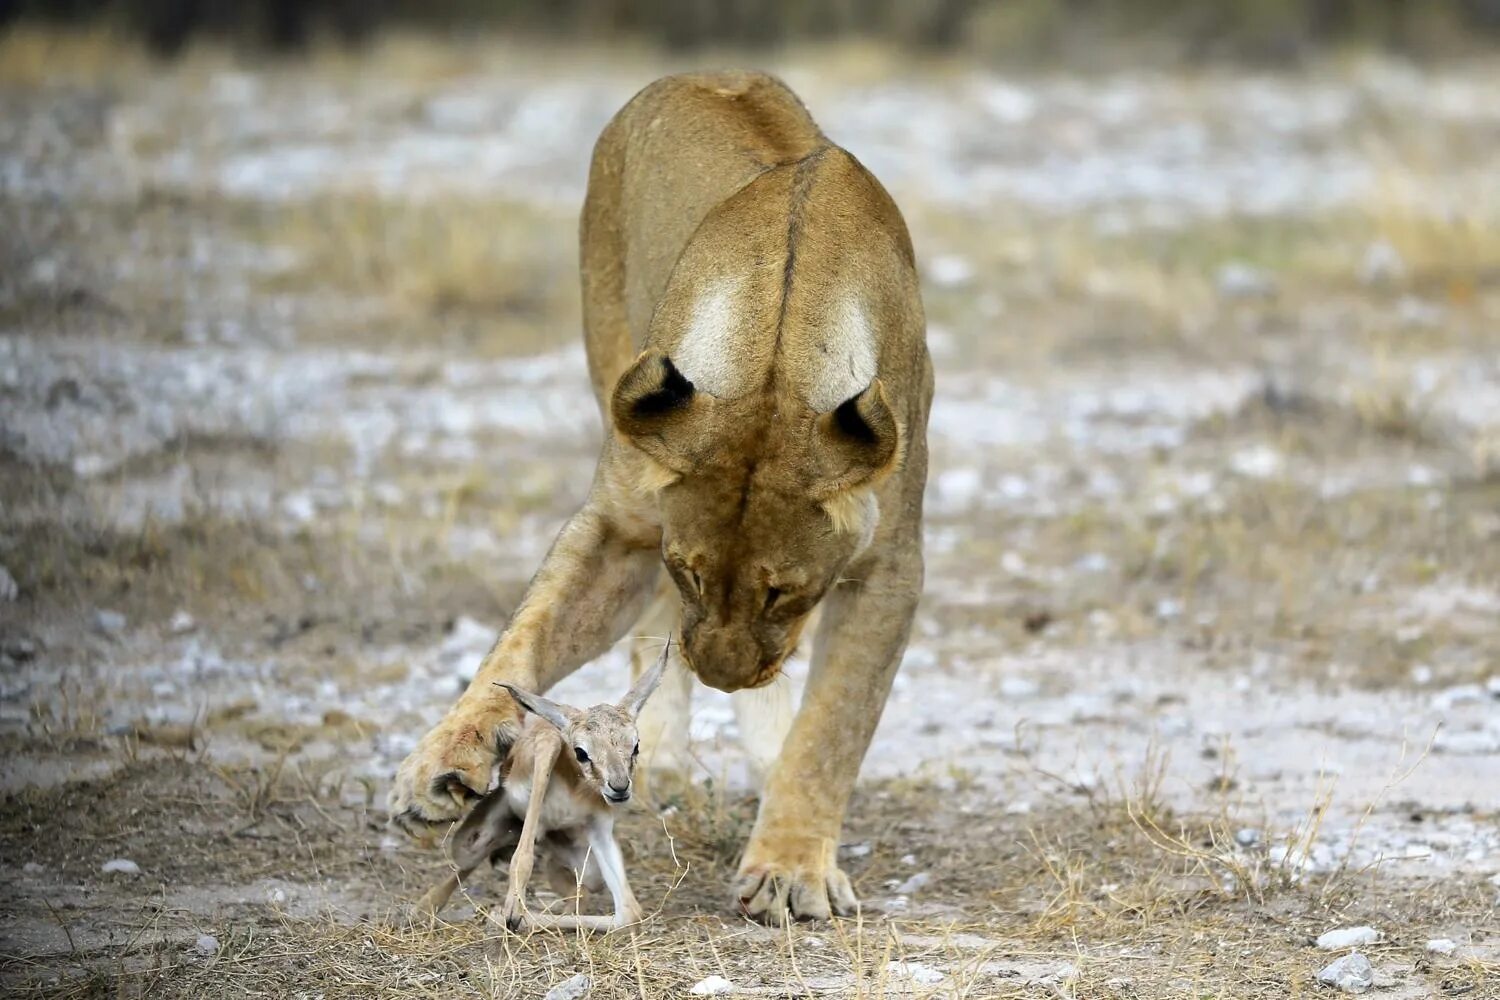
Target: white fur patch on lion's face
(847, 362)
(708, 355)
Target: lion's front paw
(448, 770)
(799, 880)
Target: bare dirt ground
(292, 400)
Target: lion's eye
(773, 594)
(581, 754)
(697, 582)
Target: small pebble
(713, 986)
(1441, 946)
(1382, 264)
(916, 883)
(1347, 937)
(1238, 280)
(1352, 973)
(32, 868)
(856, 850)
(9, 589)
(120, 866)
(574, 988)
(109, 622)
(1247, 837)
(908, 859)
(207, 945)
(922, 975)
(181, 622)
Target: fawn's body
(558, 788)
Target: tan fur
(561, 780)
(723, 227)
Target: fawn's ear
(635, 700)
(542, 708)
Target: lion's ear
(652, 403)
(858, 442)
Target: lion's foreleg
(790, 861)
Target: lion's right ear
(651, 405)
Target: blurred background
(293, 400)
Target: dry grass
(1041, 905)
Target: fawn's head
(602, 740)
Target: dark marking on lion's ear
(673, 391)
(852, 423)
(653, 407)
(857, 442)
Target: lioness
(756, 342)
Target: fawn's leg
(605, 851)
(487, 831)
(603, 846)
(548, 745)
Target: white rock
(1459, 694)
(109, 622)
(856, 850)
(574, 988)
(1019, 687)
(1259, 462)
(1441, 946)
(713, 986)
(1248, 837)
(1415, 313)
(1238, 280)
(948, 269)
(1352, 973)
(300, 507)
(908, 859)
(9, 589)
(181, 623)
(1018, 808)
(917, 972)
(206, 945)
(1347, 937)
(1382, 264)
(120, 866)
(32, 868)
(913, 884)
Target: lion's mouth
(766, 675)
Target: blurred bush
(1274, 30)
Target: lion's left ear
(858, 442)
(656, 408)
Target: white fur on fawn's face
(847, 360)
(707, 353)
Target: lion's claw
(449, 769)
(773, 895)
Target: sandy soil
(1209, 659)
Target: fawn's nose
(617, 792)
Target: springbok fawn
(558, 788)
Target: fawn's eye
(581, 754)
(636, 752)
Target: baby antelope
(558, 788)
